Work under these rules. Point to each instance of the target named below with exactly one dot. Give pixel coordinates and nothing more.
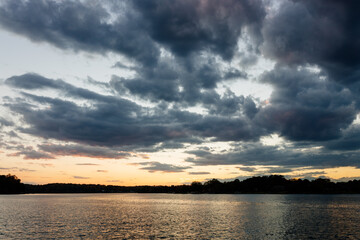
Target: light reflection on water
(176, 216)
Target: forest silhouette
(10, 184)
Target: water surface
(179, 216)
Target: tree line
(260, 184)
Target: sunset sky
(174, 91)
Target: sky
(168, 92)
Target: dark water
(171, 216)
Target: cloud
(349, 141)
(186, 26)
(177, 80)
(114, 121)
(252, 154)
(320, 108)
(139, 30)
(181, 55)
(199, 173)
(162, 167)
(32, 81)
(306, 105)
(88, 26)
(102, 171)
(83, 151)
(247, 169)
(18, 169)
(136, 28)
(29, 153)
(280, 170)
(316, 32)
(80, 177)
(5, 123)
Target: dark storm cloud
(133, 28)
(226, 129)
(117, 123)
(82, 151)
(137, 29)
(80, 26)
(321, 112)
(113, 121)
(315, 79)
(350, 140)
(228, 104)
(258, 154)
(323, 32)
(186, 26)
(33, 81)
(162, 167)
(171, 80)
(306, 106)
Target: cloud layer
(185, 54)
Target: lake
(179, 216)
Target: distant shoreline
(273, 184)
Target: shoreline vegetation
(272, 184)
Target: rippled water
(173, 216)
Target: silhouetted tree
(261, 184)
(196, 187)
(10, 184)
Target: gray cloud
(83, 151)
(135, 28)
(252, 154)
(81, 26)
(115, 121)
(350, 140)
(280, 170)
(29, 153)
(32, 81)
(316, 32)
(80, 177)
(198, 173)
(162, 167)
(247, 169)
(188, 82)
(186, 26)
(306, 106)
